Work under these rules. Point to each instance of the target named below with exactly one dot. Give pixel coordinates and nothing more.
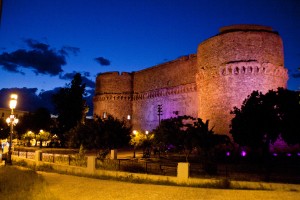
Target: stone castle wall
(113, 94)
(172, 85)
(225, 70)
(234, 63)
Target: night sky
(44, 42)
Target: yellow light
(134, 132)
(13, 101)
(147, 132)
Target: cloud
(65, 50)
(39, 57)
(103, 61)
(34, 44)
(84, 76)
(29, 100)
(296, 75)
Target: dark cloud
(39, 58)
(103, 61)
(65, 50)
(29, 100)
(34, 44)
(84, 75)
(296, 75)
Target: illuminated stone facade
(225, 70)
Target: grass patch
(22, 183)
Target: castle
(224, 71)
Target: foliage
(43, 136)
(70, 106)
(262, 118)
(80, 159)
(187, 133)
(29, 135)
(142, 140)
(100, 133)
(114, 132)
(4, 129)
(36, 121)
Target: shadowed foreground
(71, 187)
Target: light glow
(243, 153)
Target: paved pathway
(67, 187)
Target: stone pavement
(67, 187)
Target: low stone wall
(92, 171)
(182, 175)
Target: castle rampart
(231, 65)
(114, 94)
(225, 70)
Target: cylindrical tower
(232, 64)
(113, 95)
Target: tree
(34, 122)
(43, 136)
(100, 133)
(70, 106)
(114, 132)
(262, 118)
(4, 129)
(29, 135)
(142, 140)
(186, 133)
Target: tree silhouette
(70, 107)
(262, 118)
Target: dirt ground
(67, 187)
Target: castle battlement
(253, 68)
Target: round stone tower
(113, 95)
(232, 64)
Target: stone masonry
(208, 84)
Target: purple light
(228, 153)
(288, 154)
(275, 154)
(243, 153)
(298, 154)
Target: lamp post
(11, 121)
(134, 142)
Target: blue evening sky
(43, 42)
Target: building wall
(225, 70)
(113, 94)
(172, 85)
(5, 113)
(234, 63)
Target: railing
(169, 169)
(284, 169)
(26, 154)
(66, 159)
(74, 160)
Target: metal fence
(24, 154)
(168, 169)
(285, 169)
(66, 159)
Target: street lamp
(11, 121)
